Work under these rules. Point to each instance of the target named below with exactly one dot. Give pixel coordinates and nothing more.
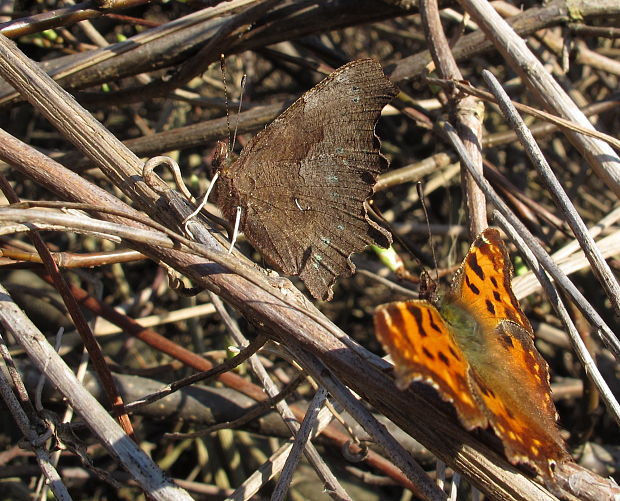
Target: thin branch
(548, 265)
(599, 155)
(143, 469)
(302, 437)
(597, 261)
(331, 482)
(589, 365)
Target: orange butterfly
(477, 350)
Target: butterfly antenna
(223, 70)
(411, 249)
(420, 190)
(243, 81)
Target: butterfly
(302, 183)
(477, 350)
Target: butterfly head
(220, 157)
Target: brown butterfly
(477, 349)
(302, 183)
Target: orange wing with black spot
(422, 349)
(518, 403)
(509, 375)
(478, 352)
(483, 283)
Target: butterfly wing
(510, 376)
(303, 181)
(517, 401)
(422, 349)
(483, 283)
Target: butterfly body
(477, 349)
(303, 181)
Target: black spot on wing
(472, 261)
(511, 315)
(497, 296)
(444, 359)
(471, 286)
(432, 323)
(486, 391)
(454, 353)
(494, 282)
(417, 314)
(490, 307)
(506, 340)
(428, 353)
